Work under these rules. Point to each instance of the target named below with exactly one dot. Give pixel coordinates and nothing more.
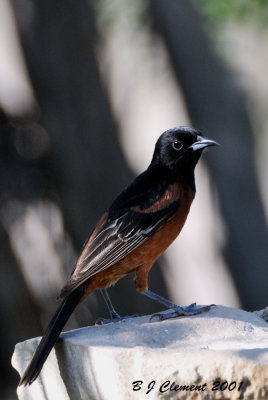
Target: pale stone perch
(102, 362)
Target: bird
(140, 224)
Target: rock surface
(221, 354)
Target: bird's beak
(202, 142)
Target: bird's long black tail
(51, 335)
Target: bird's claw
(118, 318)
(182, 311)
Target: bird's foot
(192, 309)
(115, 318)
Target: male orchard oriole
(136, 229)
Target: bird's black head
(179, 149)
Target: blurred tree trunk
(217, 106)
(18, 313)
(59, 45)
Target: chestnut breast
(154, 246)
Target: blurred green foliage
(220, 10)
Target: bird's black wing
(114, 239)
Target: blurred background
(86, 88)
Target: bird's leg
(114, 316)
(192, 309)
(113, 313)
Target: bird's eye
(177, 145)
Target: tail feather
(50, 336)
